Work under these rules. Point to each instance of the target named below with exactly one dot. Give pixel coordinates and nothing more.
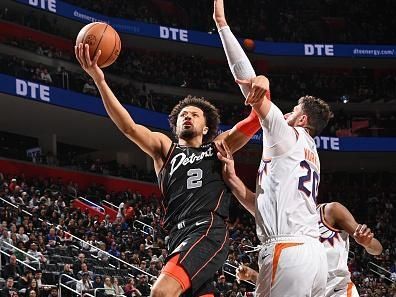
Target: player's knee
(160, 291)
(157, 291)
(165, 289)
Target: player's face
(191, 123)
(296, 118)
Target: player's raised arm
(340, 217)
(255, 89)
(238, 62)
(246, 197)
(241, 68)
(153, 143)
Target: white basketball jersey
(336, 243)
(287, 187)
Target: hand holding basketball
(97, 45)
(90, 66)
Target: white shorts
(337, 288)
(292, 267)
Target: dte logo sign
(32, 90)
(174, 34)
(327, 143)
(319, 49)
(44, 4)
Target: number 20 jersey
(286, 190)
(192, 185)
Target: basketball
(101, 36)
(249, 44)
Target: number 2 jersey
(192, 185)
(288, 180)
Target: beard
(187, 134)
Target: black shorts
(202, 245)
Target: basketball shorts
(341, 287)
(292, 266)
(201, 244)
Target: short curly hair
(318, 112)
(210, 112)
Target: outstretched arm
(238, 62)
(340, 217)
(241, 133)
(246, 197)
(253, 88)
(153, 143)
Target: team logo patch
(180, 246)
(91, 40)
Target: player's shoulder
(334, 206)
(334, 211)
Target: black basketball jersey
(191, 184)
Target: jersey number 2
(195, 178)
(311, 175)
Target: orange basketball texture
(249, 44)
(101, 36)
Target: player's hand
(259, 88)
(244, 273)
(90, 66)
(225, 156)
(218, 14)
(363, 235)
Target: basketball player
(292, 261)
(336, 225)
(196, 200)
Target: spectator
(84, 270)
(24, 281)
(19, 253)
(13, 185)
(163, 256)
(38, 274)
(45, 76)
(130, 290)
(9, 289)
(53, 292)
(84, 285)
(143, 285)
(222, 286)
(102, 254)
(33, 286)
(5, 242)
(12, 269)
(52, 239)
(114, 250)
(77, 264)
(117, 288)
(98, 283)
(89, 88)
(152, 269)
(34, 254)
(108, 286)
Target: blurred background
(67, 173)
